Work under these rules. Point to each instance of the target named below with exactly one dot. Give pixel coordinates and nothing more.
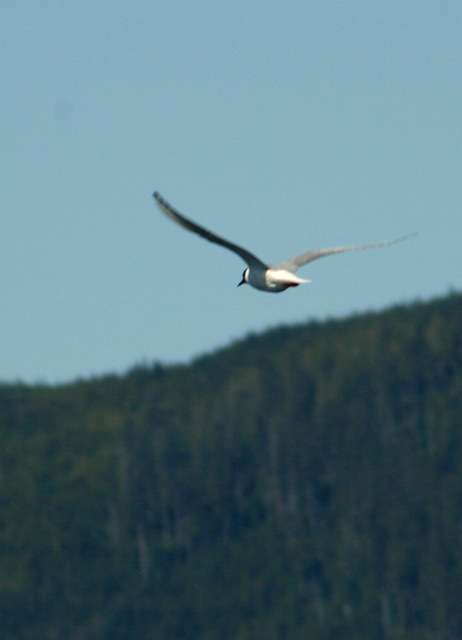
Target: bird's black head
(244, 278)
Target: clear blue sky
(282, 126)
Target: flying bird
(262, 276)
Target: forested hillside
(305, 483)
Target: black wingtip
(155, 195)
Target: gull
(262, 276)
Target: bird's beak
(241, 282)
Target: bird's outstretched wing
(304, 258)
(208, 235)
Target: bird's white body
(271, 280)
(262, 276)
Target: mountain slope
(305, 482)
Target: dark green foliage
(304, 483)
